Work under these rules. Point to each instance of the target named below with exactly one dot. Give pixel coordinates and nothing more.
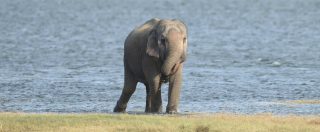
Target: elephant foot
(171, 110)
(120, 109)
(158, 109)
(154, 110)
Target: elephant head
(167, 41)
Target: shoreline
(161, 114)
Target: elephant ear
(152, 47)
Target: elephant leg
(154, 100)
(157, 101)
(174, 91)
(129, 87)
(153, 83)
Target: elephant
(154, 54)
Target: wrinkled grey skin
(153, 54)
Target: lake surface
(244, 56)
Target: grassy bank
(12, 122)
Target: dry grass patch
(17, 122)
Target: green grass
(23, 122)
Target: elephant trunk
(173, 59)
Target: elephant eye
(163, 40)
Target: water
(245, 56)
